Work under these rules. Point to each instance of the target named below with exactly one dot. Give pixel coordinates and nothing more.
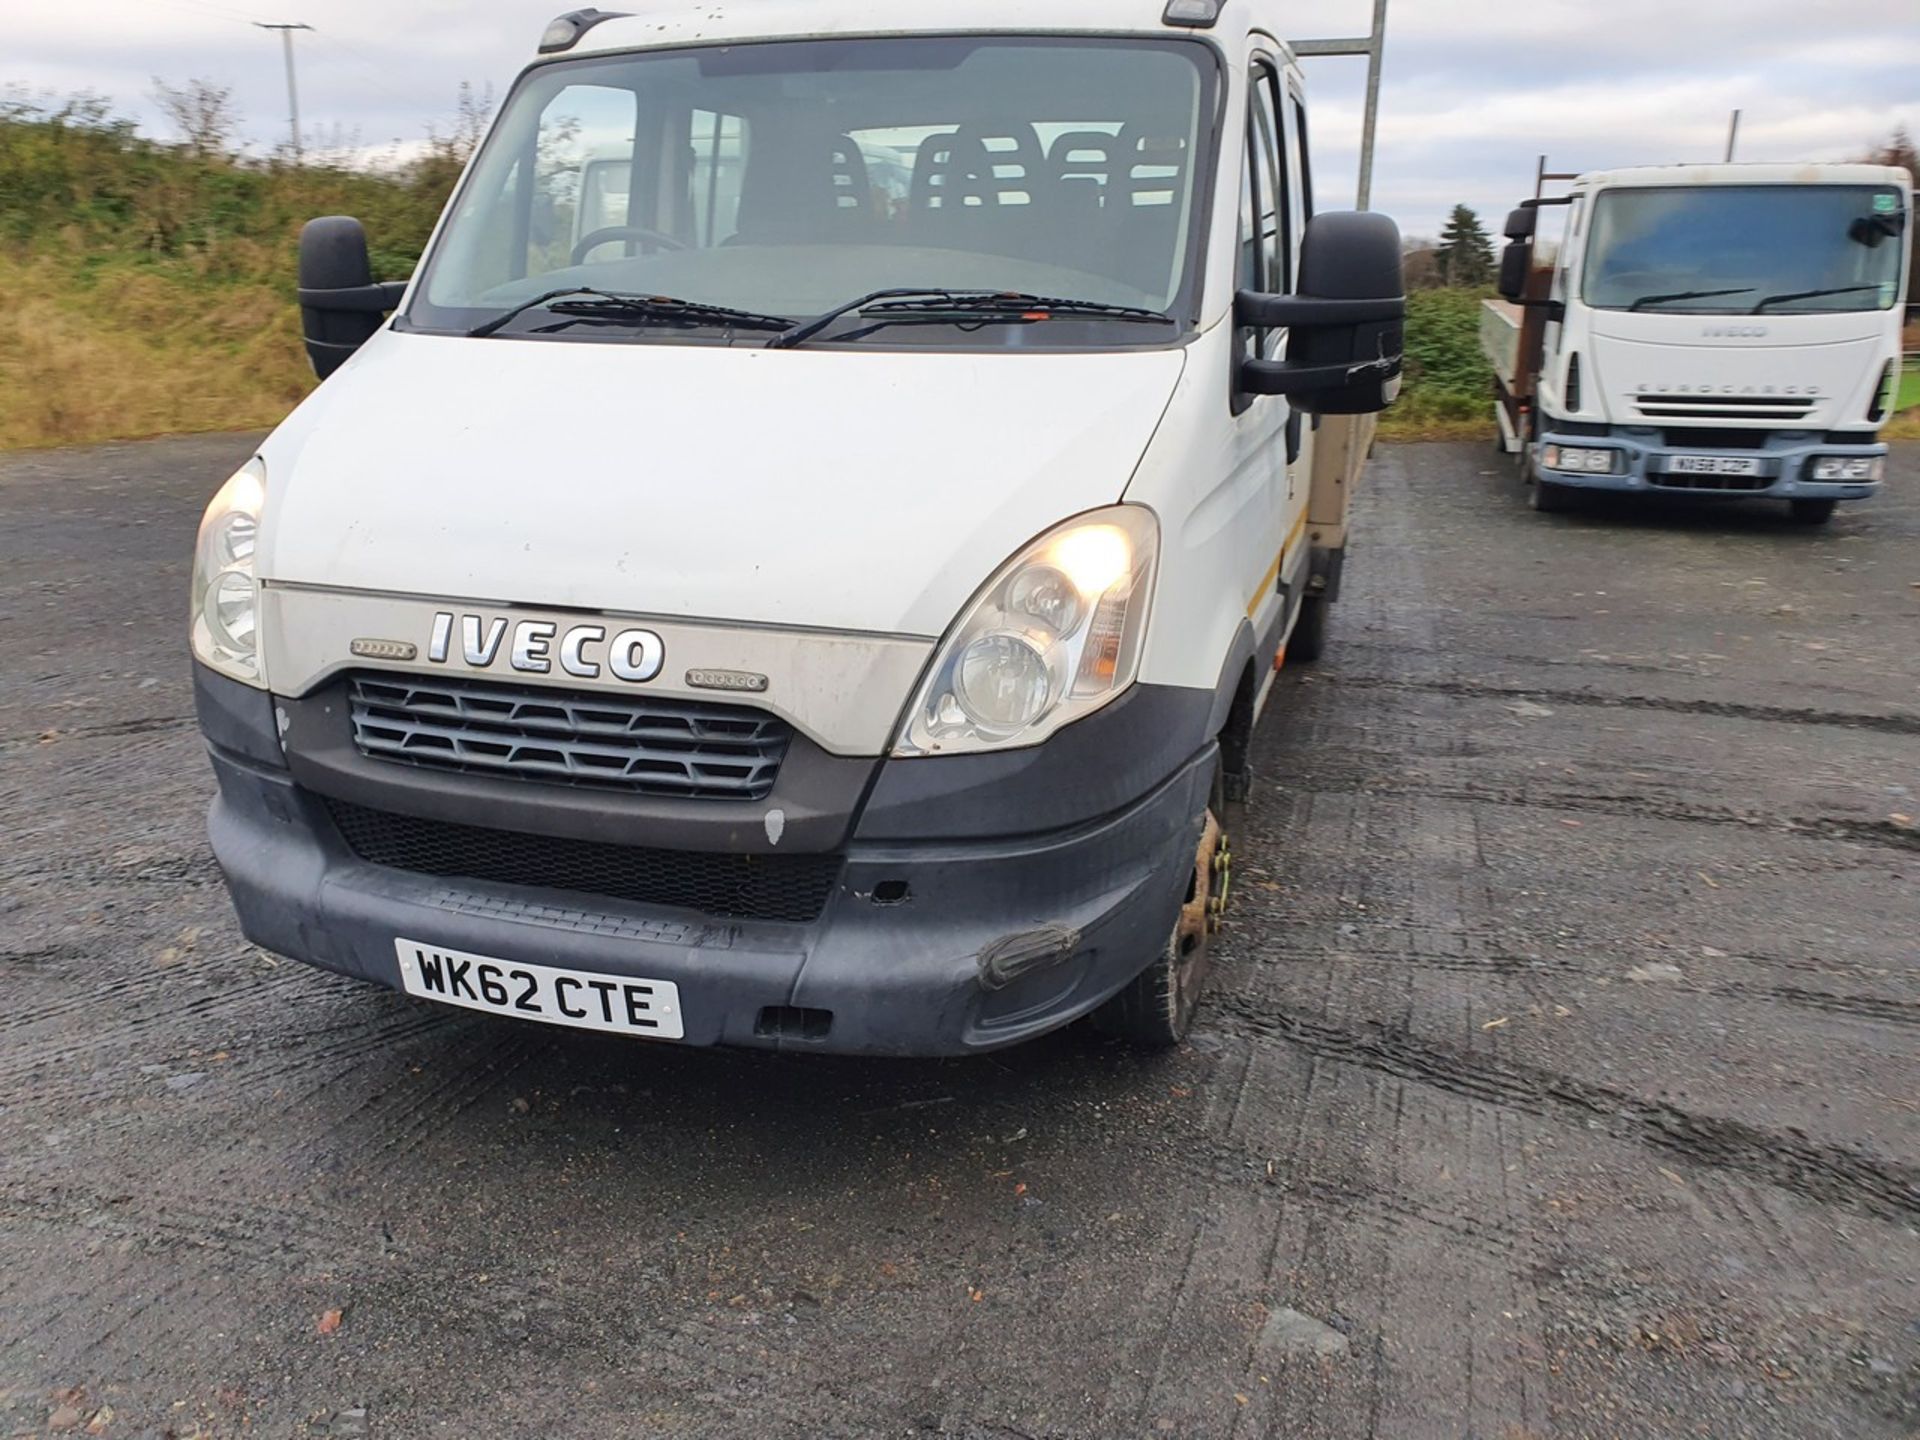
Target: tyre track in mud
(1894, 724)
(1883, 834)
(1829, 1174)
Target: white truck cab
(1725, 330)
(822, 598)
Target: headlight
(1053, 637)
(226, 592)
(1580, 460)
(1852, 469)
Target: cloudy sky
(1474, 89)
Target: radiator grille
(790, 888)
(640, 744)
(1772, 409)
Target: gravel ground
(1559, 1078)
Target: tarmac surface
(1558, 1079)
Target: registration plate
(1713, 465)
(586, 1001)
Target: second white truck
(1720, 330)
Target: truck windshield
(787, 179)
(1746, 249)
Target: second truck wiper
(1646, 300)
(1812, 295)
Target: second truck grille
(643, 745)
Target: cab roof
(680, 22)
(1744, 174)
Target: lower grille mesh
(789, 888)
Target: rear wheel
(1811, 512)
(1156, 1009)
(1309, 640)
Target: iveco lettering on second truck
(800, 562)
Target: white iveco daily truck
(801, 606)
(1719, 330)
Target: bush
(163, 276)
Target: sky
(1473, 90)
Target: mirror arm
(1251, 308)
(377, 299)
(1277, 377)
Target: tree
(1465, 255)
(1418, 268)
(202, 112)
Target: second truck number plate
(1713, 465)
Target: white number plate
(648, 1008)
(1713, 465)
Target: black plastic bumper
(925, 947)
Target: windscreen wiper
(1812, 295)
(962, 307)
(613, 305)
(1646, 300)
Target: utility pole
(293, 94)
(1733, 136)
(1374, 47)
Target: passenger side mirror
(340, 306)
(1347, 324)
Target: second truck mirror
(1346, 325)
(340, 306)
(1516, 261)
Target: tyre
(1550, 498)
(1155, 1010)
(1811, 512)
(1309, 640)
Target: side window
(1249, 276)
(1275, 247)
(1300, 159)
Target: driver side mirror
(1347, 324)
(340, 306)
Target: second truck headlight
(226, 591)
(1055, 635)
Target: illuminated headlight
(1850, 469)
(226, 591)
(1581, 461)
(1053, 637)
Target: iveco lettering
(801, 561)
(1608, 379)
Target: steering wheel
(652, 239)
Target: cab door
(1269, 435)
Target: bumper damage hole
(892, 892)
(792, 1022)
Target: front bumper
(924, 946)
(1783, 461)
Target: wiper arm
(611, 304)
(943, 307)
(1646, 300)
(1812, 295)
